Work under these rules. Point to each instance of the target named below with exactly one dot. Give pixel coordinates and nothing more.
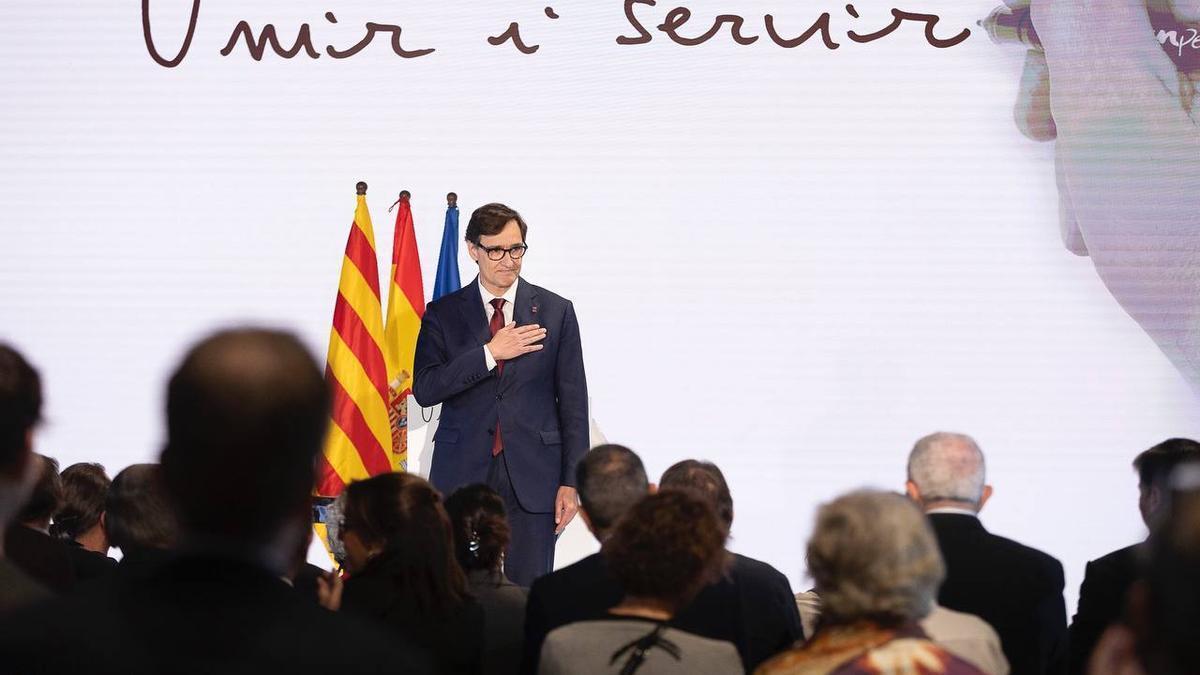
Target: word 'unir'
(677, 25)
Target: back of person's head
(246, 416)
(46, 497)
(704, 478)
(400, 520)
(481, 530)
(20, 412)
(1164, 609)
(20, 409)
(1154, 468)
(873, 555)
(84, 491)
(947, 467)
(610, 479)
(666, 548)
(138, 512)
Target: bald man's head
(246, 417)
(947, 470)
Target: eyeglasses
(497, 252)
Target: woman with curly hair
(662, 552)
(481, 535)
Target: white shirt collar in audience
(951, 509)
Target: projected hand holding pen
(1116, 93)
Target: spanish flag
(406, 305)
(359, 441)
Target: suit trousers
(530, 551)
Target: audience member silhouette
(20, 412)
(246, 417)
(141, 521)
(481, 535)
(403, 573)
(1161, 629)
(662, 552)
(79, 521)
(1107, 580)
(876, 565)
(1015, 588)
(752, 604)
(28, 542)
(610, 480)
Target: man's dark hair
(84, 491)
(1166, 621)
(1155, 465)
(20, 404)
(138, 512)
(704, 478)
(246, 416)
(610, 479)
(667, 547)
(481, 530)
(46, 497)
(402, 515)
(490, 219)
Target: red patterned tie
(496, 324)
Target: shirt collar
(951, 509)
(510, 295)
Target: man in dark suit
(503, 358)
(1015, 588)
(1107, 580)
(611, 479)
(28, 543)
(20, 411)
(246, 416)
(752, 605)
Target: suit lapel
(525, 312)
(474, 314)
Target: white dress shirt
(510, 297)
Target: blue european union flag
(447, 280)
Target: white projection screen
(792, 261)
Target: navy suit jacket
(541, 399)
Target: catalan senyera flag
(405, 307)
(359, 441)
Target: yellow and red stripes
(406, 306)
(359, 441)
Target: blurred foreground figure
(876, 566)
(246, 414)
(20, 411)
(1161, 634)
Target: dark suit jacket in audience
(1015, 588)
(43, 557)
(752, 607)
(577, 592)
(89, 565)
(455, 641)
(198, 615)
(504, 620)
(18, 589)
(1106, 582)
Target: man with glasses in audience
(503, 358)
